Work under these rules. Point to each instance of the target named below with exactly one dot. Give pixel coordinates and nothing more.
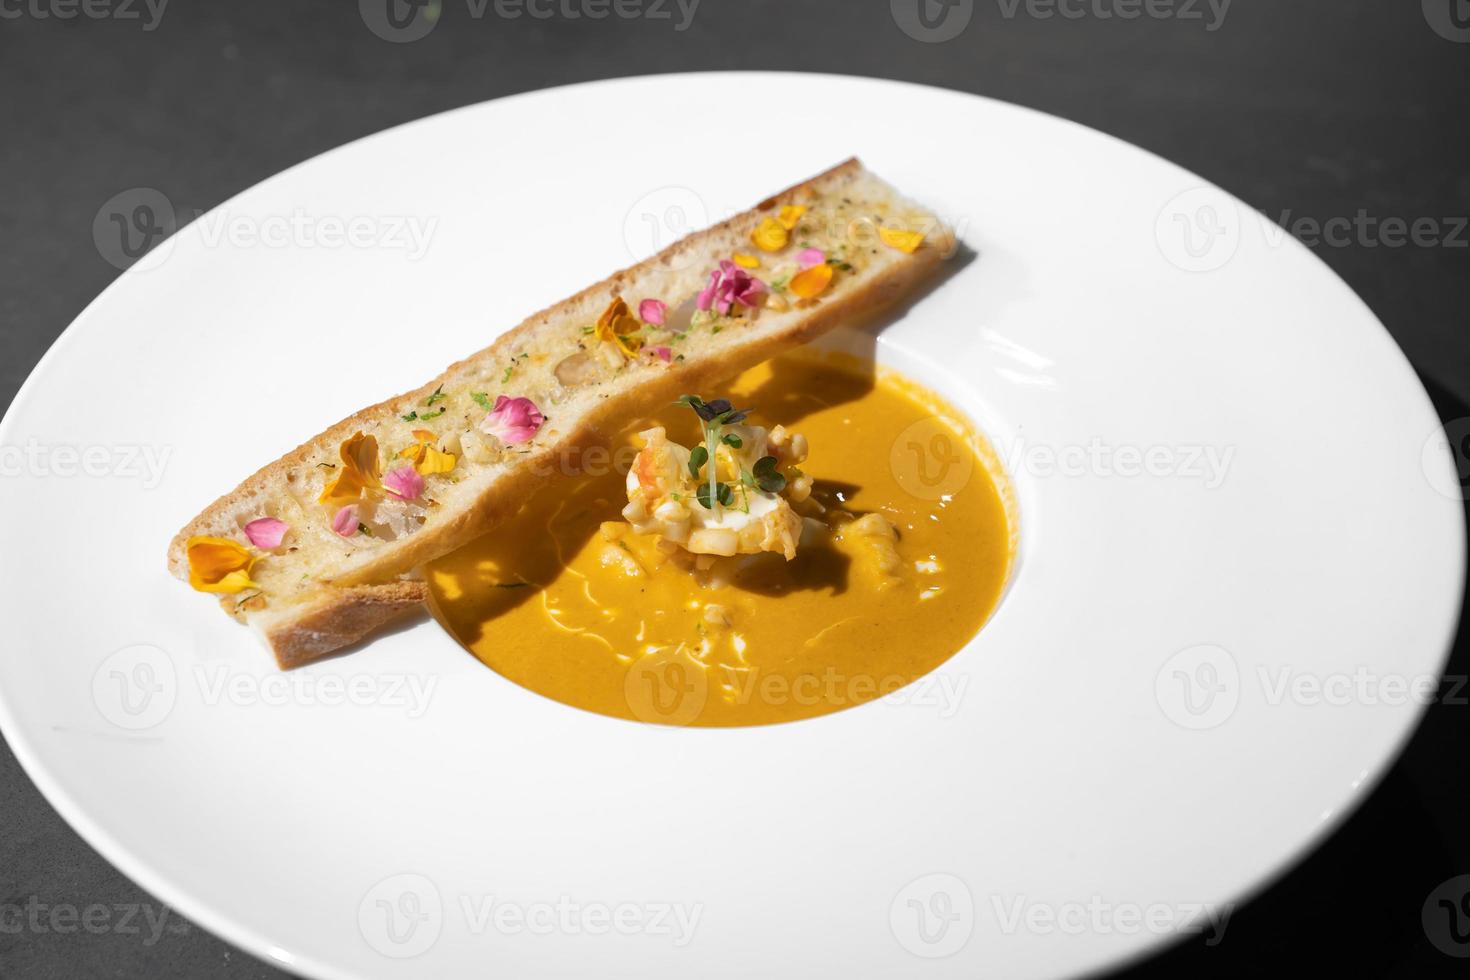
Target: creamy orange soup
(568, 601)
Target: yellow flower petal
(220, 565)
(360, 472)
(747, 261)
(812, 282)
(424, 435)
(790, 215)
(435, 461)
(770, 236)
(618, 326)
(905, 241)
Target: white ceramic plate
(1230, 498)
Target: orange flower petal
(813, 282)
(905, 241)
(360, 471)
(790, 215)
(770, 236)
(617, 325)
(219, 565)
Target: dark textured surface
(1312, 109)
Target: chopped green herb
(779, 285)
(437, 396)
(508, 372)
(330, 466)
(430, 416)
(483, 400)
(364, 529)
(512, 585)
(410, 417)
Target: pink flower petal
(653, 311)
(266, 533)
(810, 257)
(405, 483)
(662, 353)
(707, 295)
(513, 420)
(345, 521)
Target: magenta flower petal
(810, 257)
(513, 420)
(345, 521)
(663, 353)
(404, 483)
(267, 533)
(653, 311)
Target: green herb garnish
(766, 475)
(437, 396)
(483, 400)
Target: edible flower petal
(905, 241)
(360, 473)
(790, 215)
(219, 565)
(653, 311)
(267, 533)
(513, 420)
(809, 257)
(728, 285)
(813, 282)
(770, 235)
(344, 522)
(404, 483)
(746, 261)
(427, 459)
(662, 353)
(618, 326)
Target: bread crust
(351, 606)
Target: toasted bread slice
(320, 591)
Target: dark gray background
(1311, 109)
